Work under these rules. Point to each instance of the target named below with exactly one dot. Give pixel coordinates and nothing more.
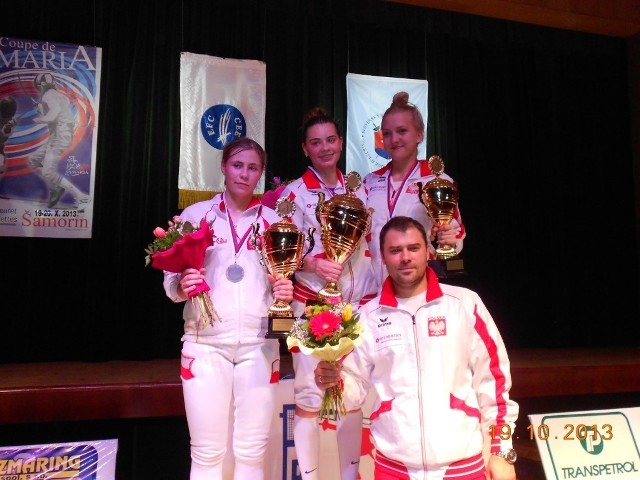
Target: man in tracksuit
(439, 368)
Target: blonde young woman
(393, 190)
(229, 368)
(322, 144)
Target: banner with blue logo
(220, 99)
(368, 97)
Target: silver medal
(235, 273)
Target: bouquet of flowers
(329, 331)
(270, 197)
(183, 246)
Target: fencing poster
(368, 97)
(220, 99)
(49, 97)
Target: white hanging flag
(368, 97)
(220, 99)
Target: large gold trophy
(281, 249)
(344, 220)
(440, 197)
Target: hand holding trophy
(440, 197)
(343, 220)
(280, 248)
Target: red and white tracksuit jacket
(442, 378)
(243, 306)
(407, 202)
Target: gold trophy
(440, 197)
(280, 248)
(344, 220)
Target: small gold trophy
(280, 248)
(440, 197)
(344, 220)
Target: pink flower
(271, 197)
(334, 300)
(159, 232)
(324, 324)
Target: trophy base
(445, 252)
(279, 327)
(281, 320)
(447, 267)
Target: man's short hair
(401, 224)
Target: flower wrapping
(270, 197)
(180, 247)
(329, 331)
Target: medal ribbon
(332, 191)
(237, 241)
(391, 199)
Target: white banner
(368, 98)
(220, 99)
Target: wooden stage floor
(544, 381)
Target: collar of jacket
(388, 294)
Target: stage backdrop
(368, 97)
(221, 99)
(74, 72)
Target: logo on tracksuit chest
(437, 326)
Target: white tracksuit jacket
(442, 377)
(377, 188)
(243, 306)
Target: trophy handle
(254, 243)
(319, 206)
(254, 235)
(312, 243)
(420, 192)
(369, 220)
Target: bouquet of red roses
(329, 331)
(183, 246)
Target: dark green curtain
(532, 122)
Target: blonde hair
(400, 103)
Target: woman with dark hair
(322, 144)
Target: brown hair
(315, 116)
(400, 103)
(401, 224)
(241, 144)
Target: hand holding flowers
(328, 331)
(182, 246)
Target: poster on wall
(49, 98)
